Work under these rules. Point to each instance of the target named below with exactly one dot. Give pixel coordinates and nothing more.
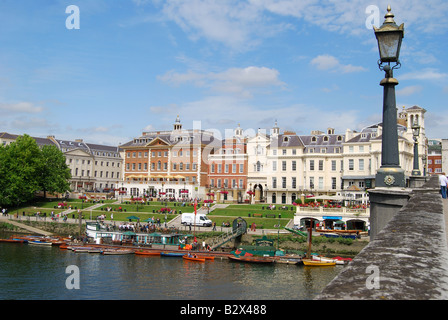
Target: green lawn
(243, 211)
(152, 210)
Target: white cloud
(425, 74)
(241, 82)
(328, 62)
(407, 91)
(21, 107)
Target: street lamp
(389, 37)
(416, 133)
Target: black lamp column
(389, 37)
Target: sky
(106, 70)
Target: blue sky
(135, 65)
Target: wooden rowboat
(172, 254)
(317, 263)
(252, 259)
(206, 257)
(186, 257)
(147, 253)
(14, 240)
(117, 251)
(40, 243)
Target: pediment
(77, 152)
(157, 142)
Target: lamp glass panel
(389, 46)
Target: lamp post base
(390, 177)
(416, 172)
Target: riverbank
(285, 241)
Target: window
(321, 165)
(274, 182)
(274, 165)
(213, 168)
(283, 165)
(284, 182)
(293, 182)
(234, 168)
(333, 183)
(284, 152)
(361, 164)
(351, 165)
(311, 182)
(312, 165)
(241, 168)
(333, 165)
(321, 183)
(294, 166)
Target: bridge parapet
(407, 260)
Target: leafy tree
(53, 173)
(18, 169)
(26, 169)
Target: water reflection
(30, 272)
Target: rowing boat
(14, 240)
(40, 243)
(147, 253)
(186, 257)
(289, 260)
(252, 259)
(206, 257)
(117, 251)
(172, 254)
(317, 263)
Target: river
(40, 273)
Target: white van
(201, 219)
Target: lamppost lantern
(389, 37)
(415, 130)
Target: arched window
(274, 198)
(258, 166)
(283, 197)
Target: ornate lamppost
(416, 133)
(389, 37)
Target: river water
(35, 273)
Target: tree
(18, 164)
(53, 173)
(26, 169)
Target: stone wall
(407, 260)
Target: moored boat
(117, 251)
(193, 258)
(147, 253)
(211, 258)
(14, 240)
(317, 263)
(40, 243)
(172, 254)
(252, 259)
(325, 259)
(289, 260)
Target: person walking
(443, 181)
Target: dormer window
(325, 139)
(313, 139)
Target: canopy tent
(326, 197)
(133, 218)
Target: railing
(226, 237)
